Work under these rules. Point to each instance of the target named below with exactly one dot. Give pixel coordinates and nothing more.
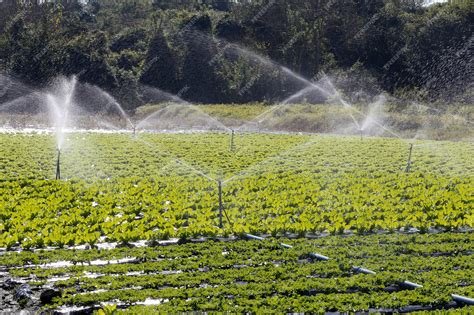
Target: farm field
(247, 276)
(344, 197)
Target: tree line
(238, 51)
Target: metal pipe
(411, 284)
(58, 165)
(318, 256)
(361, 134)
(232, 147)
(407, 169)
(312, 255)
(462, 299)
(254, 237)
(363, 270)
(220, 204)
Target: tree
(86, 55)
(32, 49)
(159, 69)
(133, 39)
(200, 74)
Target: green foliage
(254, 275)
(159, 69)
(280, 184)
(86, 56)
(108, 309)
(412, 51)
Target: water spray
(232, 146)
(407, 169)
(58, 165)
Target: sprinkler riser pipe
(58, 165)
(407, 169)
(232, 140)
(220, 204)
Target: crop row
(95, 156)
(159, 186)
(448, 244)
(252, 270)
(48, 213)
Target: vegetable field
(99, 234)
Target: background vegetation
(182, 47)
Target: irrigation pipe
(363, 270)
(411, 285)
(312, 255)
(462, 299)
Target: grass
(450, 123)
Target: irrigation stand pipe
(58, 165)
(232, 147)
(407, 169)
(220, 203)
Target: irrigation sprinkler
(407, 169)
(58, 165)
(221, 207)
(361, 133)
(232, 146)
